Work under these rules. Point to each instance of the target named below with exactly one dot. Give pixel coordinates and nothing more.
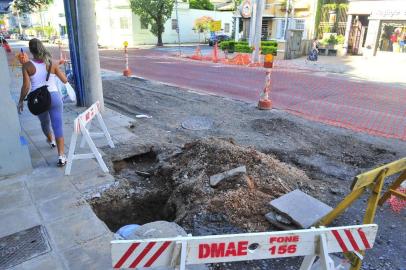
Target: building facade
(302, 18)
(116, 23)
(376, 27)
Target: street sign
(125, 43)
(246, 9)
(171, 252)
(215, 26)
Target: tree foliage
(29, 6)
(201, 4)
(154, 13)
(202, 24)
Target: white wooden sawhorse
(82, 125)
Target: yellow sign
(125, 43)
(215, 26)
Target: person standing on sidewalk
(34, 76)
(314, 52)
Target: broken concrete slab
(157, 229)
(302, 209)
(162, 229)
(217, 178)
(275, 220)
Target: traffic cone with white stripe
(264, 102)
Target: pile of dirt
(242, 200)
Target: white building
(116, 23)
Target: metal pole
(177, 26)
(258, 31)
(89, 51)
(252, 23)
(286, 19)
(73, 49)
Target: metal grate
(23, 246)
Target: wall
(14, 154)
(186, 24)
(114, 22)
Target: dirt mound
(241, 200)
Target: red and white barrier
(82, 126)
(182, 251)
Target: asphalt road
(374, 108)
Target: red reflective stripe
(352, 240)
(340, 240)
(158, 253)
(127, 254)
(142, 255)
(364, 238)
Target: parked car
(6, 35)
(218, 39)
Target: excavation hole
(136, 209)
(141, 163)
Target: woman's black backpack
(39, 100)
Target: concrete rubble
(217, 178)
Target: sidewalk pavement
(78, 239)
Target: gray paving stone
(44, 262)
(14, 198)
(63, 206)
(15, 220)
(86, 182)
(47, 172)
(93, 255)
(10, 184)
(76, 230)
(41, 193)
(301, 208)
(126, 137)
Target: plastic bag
(67, 92)
(125, 231)
(71, 92)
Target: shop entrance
(392, 37)
(359, 29)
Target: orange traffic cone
(264, 102)
(215, 53)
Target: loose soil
(319, 159)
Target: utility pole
(89, 53)
(177, 27)
(252, 23)
(258, 30)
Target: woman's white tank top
(40, 76)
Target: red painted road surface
(378, 109)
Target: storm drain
(197, 123)
(23, 246)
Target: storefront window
(393, 37)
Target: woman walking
(35, 76)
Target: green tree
(154, 13)
(201, 4)
(28, 6)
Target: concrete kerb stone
(64, 205)
(92, 255)
(75, 230)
